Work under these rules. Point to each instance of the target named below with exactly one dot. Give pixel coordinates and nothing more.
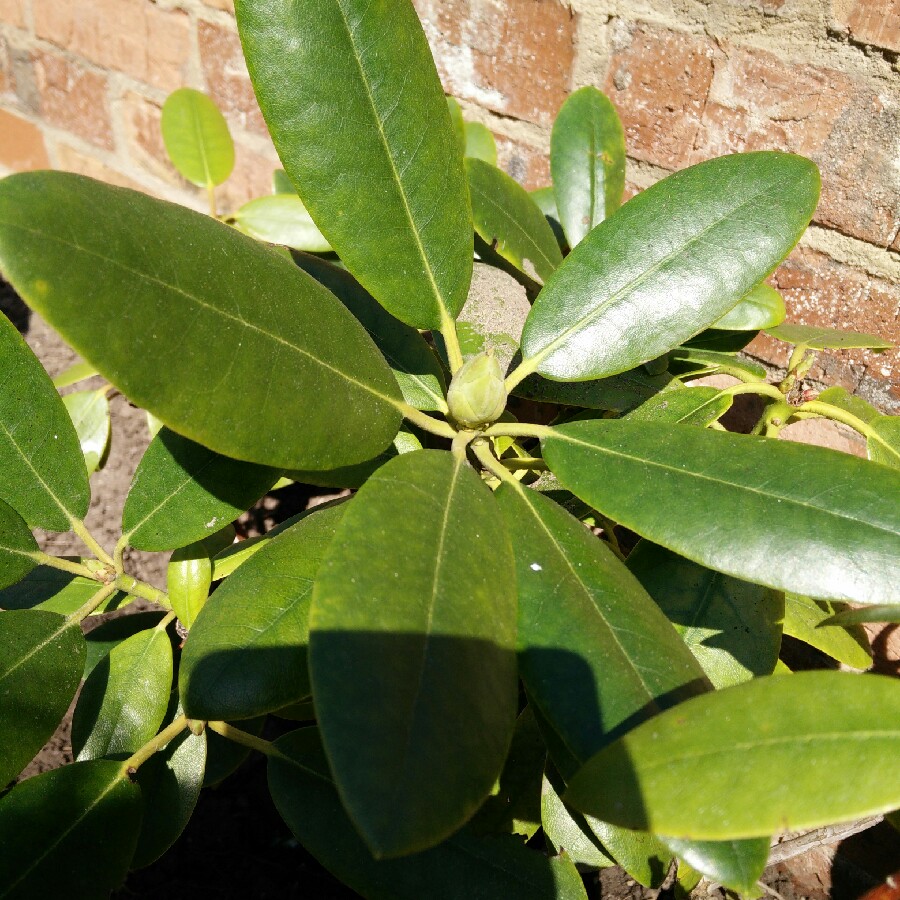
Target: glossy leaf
(856, 406)
(509, 221)
(392, 201)
(754, 754)
(642, 855)
(197, 138)
(412, 361)
(669, 263)
(428, 636)
(885, 613)
(480, 143)
(566, 829)
(73, 374)
(246, 654)
(183, 491)
(462, 866)
(89, 411)
(104, 638)
(44, 478)
(762, 307)
(818, 338)
(691, 360)
(587, 162)
(123, 702)
(56, 591)
(325, 397)
(884, 444)
(737, 865)
(693, 406)
(69, 832)
(595, 652)
(732, 627)
(17, 548)
(618, 393)
(224, 757)
(41, 658)
(189, 575)
(281, 184)
(741, 508)
(718, 340)
(281, 219)
(458, 123)
(804, 619)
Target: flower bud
(477, 393)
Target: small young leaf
(818, 338)
(755, 754)
(692, 406)
(17, 548)
(587, 162)
(89, 411)
(738, 865)
(183, 491)
(189, 574)
(409, 633)
(41, 658)
(70, 832)
(805, 619)
(509, 221)
(762, 307)
(246, 654)
(459, 125)
(44, 478)
(197, 138)
(281, 219)
(480, 143)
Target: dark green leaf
(737, 865)
(732, 627)
(741, 509)
(643, 856)
(102, 639)
(190, 346)
(462, 866)
(756, 754)
(17, 548)
(689, 360)
(197, 138)
(223, 756)
(429, 636)
(762, 307)
(884, 444)
(89, 411)
(669, 263)
(692, 406)
(44, 478)
(392, 200)
(804, 619)
(459, 125)
(69, 833)
(618, 393)
(281, 219)
(511, 222)
(123, 702)
(818, 338)
(885, 613)
(718, 341)
(246, 654)
(41, 658)
(56, 591)
(587, 162)
(281, 184)
(480, 143)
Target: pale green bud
(477, 394)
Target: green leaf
(480, 143)
(89, 411)
(737, 865)
(818, 338)
(75, 373)
(392, 200)
(223, 757)
(183, 491)
(692, 360)
(856, 406)
(412, 361)
(44, 478)
(762, 307)
(105, 637)
(642, 855)
(17, 548)
(123, 702)
(732, 627)
(884, 445)
(281, 184)
(587, 162)
(69, 833)
(884, 613)
(190, 346)
(189, 574)
(246, 654)
(741, 509)
(429, 636)
(669, 263)
(56, 591)
(462, 866)
(197, 138)
(41, 658)
(511, 222)
(595, 652)
(718, 340)
(618, 393)
(170, 785)
(691, 406)
(757, 754)
(281, 219)
(458, 123)
(805, 619)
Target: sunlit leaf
(89, 411)
(197, 138)
(281, 219)
(805, 619)
(819, 338)
(762, 307)
(480, 143)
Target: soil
(237, 846)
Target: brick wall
(81, 86)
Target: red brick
(226, 76)
(22, 146)
(6, 84)
(870, 21)
(12, 12)
(659, 83)
(69, 159)
(226, 5)
(252, 177)
(512, 56)
(140, 120)
(73, 98)
(530, 167)
(136, 37)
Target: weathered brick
(6, 85)
(22, 146)
(136, 37)
(73, 98)
(70, 159)
(252, 176)
(226, 76)
(226, 5)
(12, 12)
(870, 21)
(659, 81)
(528, 165)
(512, 56)
(140, 120)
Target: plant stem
(756, 387)
(66, 565)
(89, 541)
(133, 763)
(242, 737)
(482, 451)
(518, 429)
(426, 422)
(827, 411)
(141, 589)
(535, 463)
(451, 342)
(520, 373)
(118, 554)
(96, 600)
(461, 441)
